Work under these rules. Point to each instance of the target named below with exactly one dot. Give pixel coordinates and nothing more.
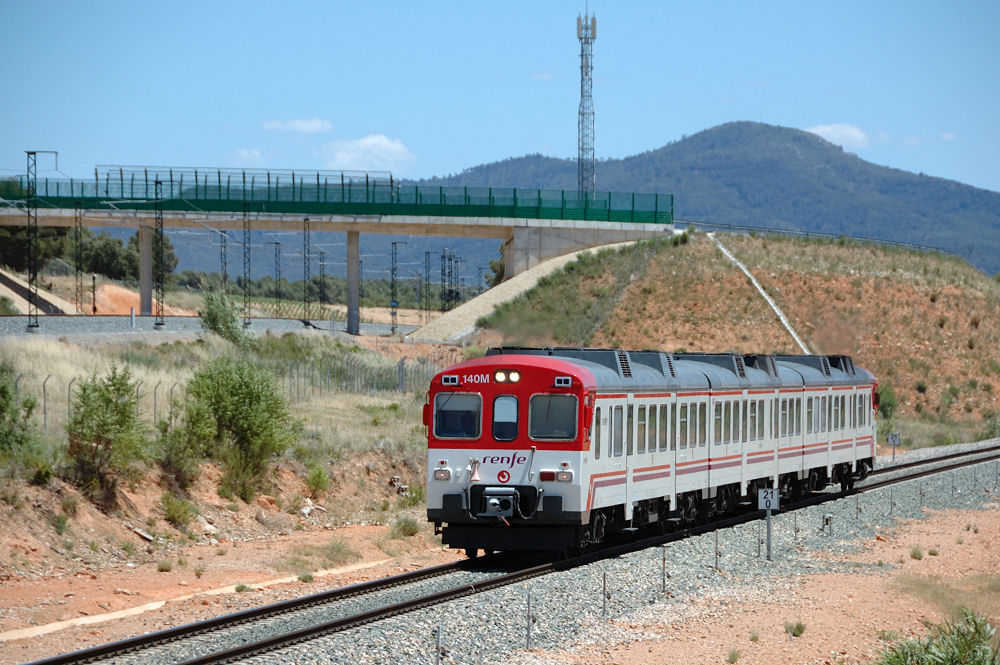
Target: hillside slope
(925, 324)
(755, 174)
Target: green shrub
(177, 511)
(241, 588)
(306, 577)
(795, 629)
(887, 400)
(404, 527)
(234, 409)
(916, 553)
(969, 639)
(164, 566)
(59, 522)
(415, 496)
(220, 315)
(7, 307)
(734, 655)
(105, 434)
(317, 480)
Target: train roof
(618, 369)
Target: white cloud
(302, 125)
(375, 152)
(948, 136)
(848, 136)
(249, 157)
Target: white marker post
(894, 443)
(767, 500)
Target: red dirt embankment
(113, 299)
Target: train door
(684, 451)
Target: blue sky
(426, 89)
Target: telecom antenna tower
(586, 32)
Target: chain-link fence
(299, 382)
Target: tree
(169, 258)
(239, 403)
(105, 434)
(497, 267)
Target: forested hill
(754, 174)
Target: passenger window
(682, 426)
(640, 433)
(457, 415)
(651, 431)
(664, 429)
(672, 425)
(752, 420)
(843, 411)
(809, 415)
(823, 415)
(552, 417)
(616, 431)
(743, 420)
(505, 418)
(798, 416)
(760, 419)
(597, 433)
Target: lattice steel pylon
(33, 249)
(78, 254)
(158, 268)
(305, 267)
(586, 32)
(246, 265)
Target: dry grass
(980, 593)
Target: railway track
(219, 640)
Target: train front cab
(505, 442)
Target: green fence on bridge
(337, 192)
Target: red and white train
(553, 449)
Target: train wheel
(472, 552)
(689, 509)
(597, 524)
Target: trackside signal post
(767, 500)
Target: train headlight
(514, 376)
(564, 476)
(442, 474)
(500, 376)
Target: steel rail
(344, 623)
(110, 649)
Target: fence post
(155, 389)
(401, 375)
(45, 404)
(69, 398)
(137, 397)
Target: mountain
(754, 174)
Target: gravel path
(567, 608)
(124, 328)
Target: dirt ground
(848, 619)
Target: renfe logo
(475, 378)
(503, 476)
(505, 460)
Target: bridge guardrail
(319, 192)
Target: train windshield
(457, 415)
(505, 418)
(552, 417)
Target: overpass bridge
(534, 225)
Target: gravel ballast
(567, 607)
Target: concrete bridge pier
(145, 270)
(353, 283)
